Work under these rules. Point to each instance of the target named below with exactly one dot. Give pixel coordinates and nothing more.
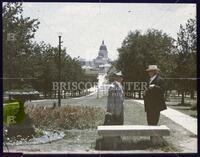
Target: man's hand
(151, 86)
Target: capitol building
(100, 64)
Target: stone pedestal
(157, 140)
(108, 143)
(24, 129)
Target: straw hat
(153, 68)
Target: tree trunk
(192, 94)
(185, 94)
(139, 94)
(166, 95)
(64, 94)
(50, 94)
(134, 95)
(183, 98)
(178, 93)
(45, 94)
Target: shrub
(66, 117)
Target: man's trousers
(153, 117)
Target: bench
(133, 130)
(155, 132)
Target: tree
(45, 68)
(17, 34)
(139, 50)
(186, 57)
(24, 58)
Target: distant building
(100, 64)
(102, 57)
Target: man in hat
(154, 95)
(115, 108)
(154, 100)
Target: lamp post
(59, 69)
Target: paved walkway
(182, 119)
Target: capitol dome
(102, 57)
(103, 47)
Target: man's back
(115, 109)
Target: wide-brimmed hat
(119, 73)
(153, 68)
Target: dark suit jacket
(154, 97)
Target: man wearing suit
(115, 108)
(154, 100)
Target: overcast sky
(85, 25)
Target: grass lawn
(180, 140)
(186, 109)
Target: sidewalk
(182, 119)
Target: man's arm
(158, 86)
(118, 101)
(161, 84)
(110, 99)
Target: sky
(85, 25)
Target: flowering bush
(66, 117)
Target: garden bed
(66, 117)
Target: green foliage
(175, 58)
(140, 50)
(23, 58)
(16, 52)
(45, 67)
(185, 58)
